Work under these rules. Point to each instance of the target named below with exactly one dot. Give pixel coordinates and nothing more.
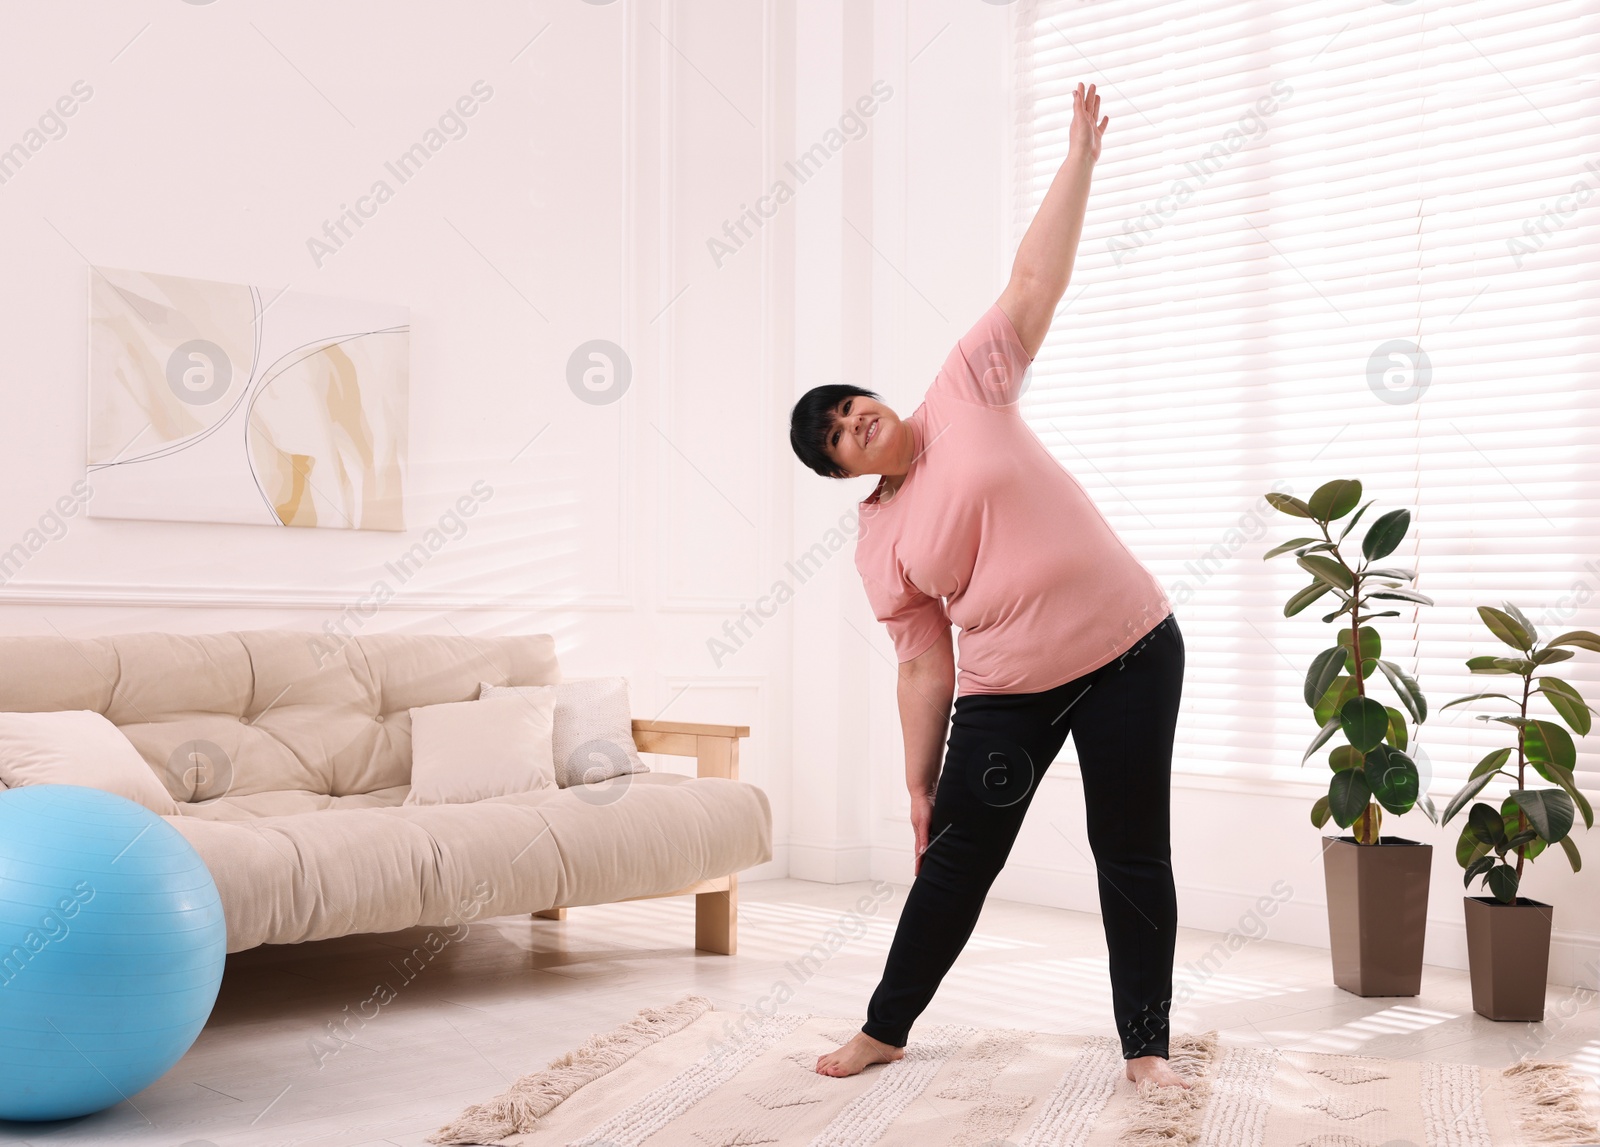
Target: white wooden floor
(514, 993)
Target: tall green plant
(1496, 843)
(1371, 771)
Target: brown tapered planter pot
(1508, 951)
(1377, 913)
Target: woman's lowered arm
(1043, 265)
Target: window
(1331, 240)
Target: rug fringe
(1550, 1105)
(535, 1094)
(1171, 1116)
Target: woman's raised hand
(1084, 135)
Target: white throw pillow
(465, 751)
(78, 747)
(593, 730)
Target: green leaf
(1526, 837)
(1289, 505)
(1426, 805)
(1567, 702)
(1487, 664)
(1348, 794)
(1502, 880)
(1396, 734)
(1320, 812)
(1409, 692)
(1522, 620)
(1547, 741)
(1305, 597)
(1550, 811)
(1365, 722)
(1476, 697)
(1487, 824)
(1351, 524)
(1477, 868)
(1471, 789)
(1507, 628)
(1469, 848)
(1582, 638)
(1327, 570)
(1397, 574)
(1343, 757)
(1342, 610)
(1402, 594)
(1324, 671)
(1327, 730)
(1383, 537)
(1292, 543)
(1564, 778)
(1329, 705)
(1547, 655)
(1571, 849)
(1395, 783)
(1371, 648)
(1492, 763)
(1333, 500)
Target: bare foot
(1156, 1069)
(857, 1054)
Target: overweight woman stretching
(975, 523)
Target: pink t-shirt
(990, 532)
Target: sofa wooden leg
(551, 914)
(716, 919)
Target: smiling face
(869, 438)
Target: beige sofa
(290, 754)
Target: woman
(1062, 630)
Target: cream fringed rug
(685, 1075)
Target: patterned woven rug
(686, 1075)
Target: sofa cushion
(464, 751)
(315, 875)
(287, 802)
(77, 747)
(259, 711)
(592, 739)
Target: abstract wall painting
(218, 402)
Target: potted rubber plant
(1377, 886)
(1508, 935)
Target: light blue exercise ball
(112, 943)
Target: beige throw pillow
(593, 727)
(465, 751)
(78, 747)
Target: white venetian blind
(1331, 240)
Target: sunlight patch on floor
(1403, 1019)
(1587, 1059)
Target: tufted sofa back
(266, 710)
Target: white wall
(620, 138)
(220, 136)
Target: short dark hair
(812, 419)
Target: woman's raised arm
(1043, 266)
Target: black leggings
(1122, 717)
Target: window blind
(1331, 240)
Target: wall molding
(294, 597)
(830, 863)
